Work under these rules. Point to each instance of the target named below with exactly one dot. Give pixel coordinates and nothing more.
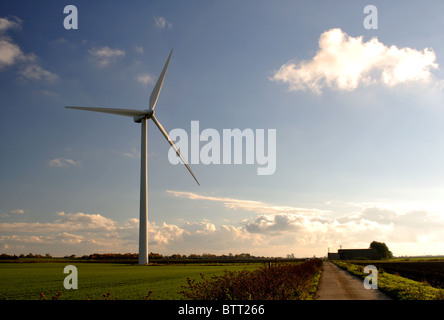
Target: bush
(281, 282)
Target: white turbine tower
(141, 116)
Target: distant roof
(367, 249)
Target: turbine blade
(120, 112)
(165, 134)
(158, 86)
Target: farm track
(338, 284)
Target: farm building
(333, 256)
(352, 254)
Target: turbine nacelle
(149, 114)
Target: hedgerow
(279, 282)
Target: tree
(382, 249)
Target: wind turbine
(142, 116)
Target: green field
(25, 281)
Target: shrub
(281, 282)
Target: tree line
(134, 256)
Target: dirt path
(338, 284)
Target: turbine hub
(147, 115)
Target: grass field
(25, 281)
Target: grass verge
(397, 287)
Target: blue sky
(359, 136)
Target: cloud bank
(269, 230)
(344, 62)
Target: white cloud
(104, 56)
(11, 54)
(63, 162)
(134, 153)
(70, 232)
(139, 49)
(380, 215)
(67, 222)
(344, 62)
(164, 234)
(13, 23)
(145, 78)
(35, 72)
(274, 223)
(12, 212)
(89, 222)
(162, 23)
(249, 205)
